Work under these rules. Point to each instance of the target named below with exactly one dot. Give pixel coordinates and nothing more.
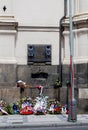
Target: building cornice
(79, 21)
(26, 28)
(8, 23)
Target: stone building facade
(34, 47)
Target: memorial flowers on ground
(54, 107)
(41, 105)
(27, 106)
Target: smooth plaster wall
(38, 12)
(25, 38)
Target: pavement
(18, 121)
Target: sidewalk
(40, 120)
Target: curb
(56, 124)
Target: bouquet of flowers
(26, 107)
(40, 105)
(54, 107)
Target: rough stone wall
(80, 86)
(9, 74)
(10, 95)
(24, 73)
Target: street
(50, 128)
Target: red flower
(26, 110)
(57, 109)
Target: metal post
(72, 116)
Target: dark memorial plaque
(39, 54)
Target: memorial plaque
(39, 54)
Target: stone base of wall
(9, 74)
(83, 106)
(34, 92)
(10, 95)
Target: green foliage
(9, 109)
(57, 83)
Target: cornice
(79, 21)
(38, 28)
(8, 23)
